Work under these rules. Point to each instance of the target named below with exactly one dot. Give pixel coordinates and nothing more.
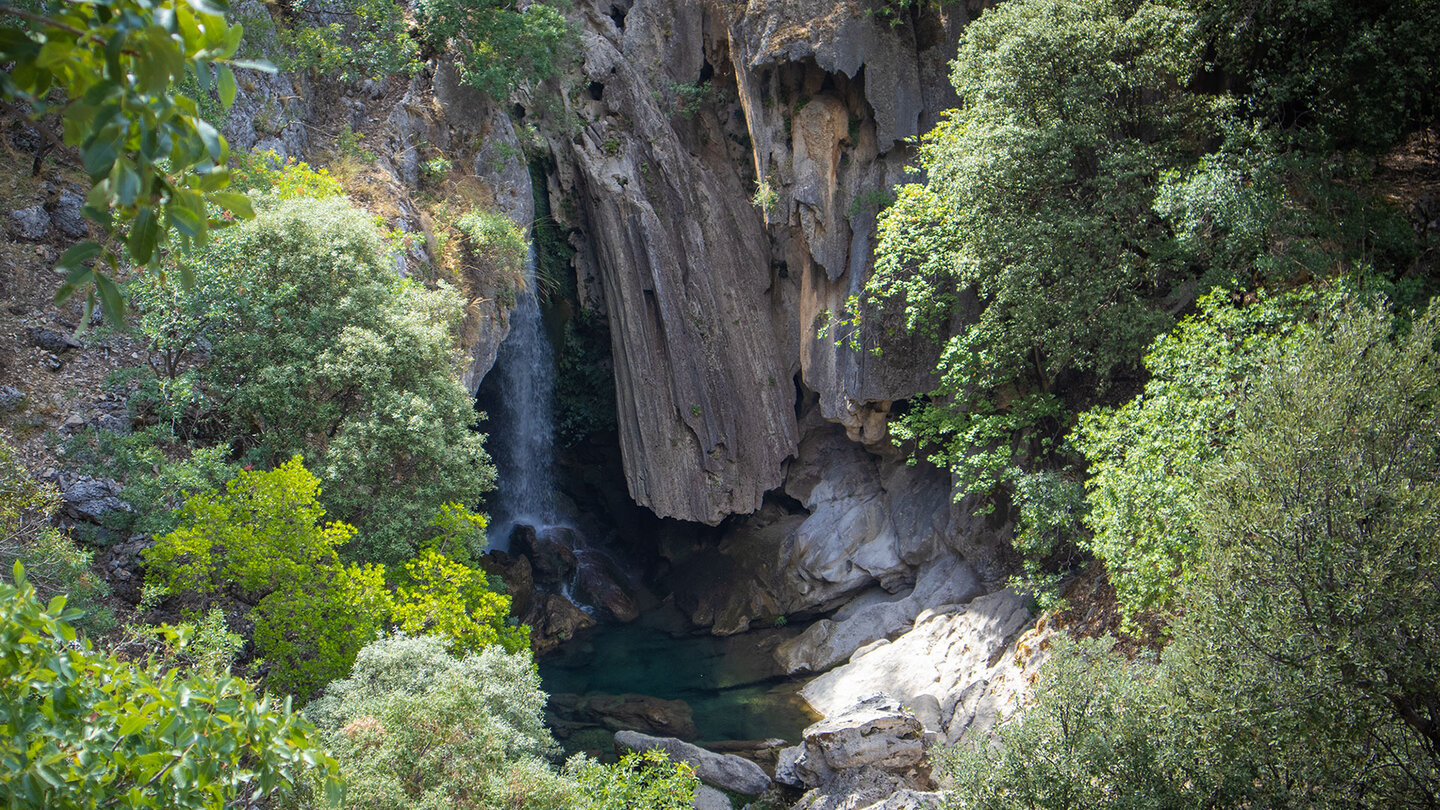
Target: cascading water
(522, 430)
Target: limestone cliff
(727, 170)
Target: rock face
(960, 669)
(714, 302)
(724, 771)
(864, 522)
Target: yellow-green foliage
(263, 535)
(286, 178)
(442, 597)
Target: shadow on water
(732, 685)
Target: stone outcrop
(864, 521)
(724, 771)
(714, 302)
(960, 669)
(872, 754)
(618, 713)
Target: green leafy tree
(1146, 457)
(439, 596)
(348, 40)
(82, 730)
(262, 541)
(1039, 207)
(499, 47)
(318, 348)
(110, 69)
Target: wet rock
(51, 340)
(30, 223)
(11, 398)
(519, 583)
(552, 559)
(597, 587)
(652, 715)
(725, 771)
(92, 500)
(553, 620)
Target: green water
(732, 684)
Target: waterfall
(522, 430)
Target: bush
(78, 730)
(439, 596)
(498, 48)
(318, 348)
(348, 40)
(262, 540)
(639, 781)
(55, 564)
(414, 727)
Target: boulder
(596, 586)
(876, 732)
(552, 557)
(708, 798)
(969, 660)
(66, 216)
(629, 713)
(725, 771)
(554, 619)
(828, 642)
(11, 398)
(92, 500)
(30, 223)
(51, 340)
(867, 789)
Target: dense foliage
(1302, 673)
(1112, 161)
(416, 727)
(498, 46)
(83, 730)
(111, 70)
(316, 347)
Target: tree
(1322, 553)
(110, 69)
(318, 348)
(81, 730)
(1039, 201)
(262, 540)
(499, 47)
(414, 727)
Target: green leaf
(234, 202)
(227, 86)
(185, 220)
(214, 144)
(144, 233)
(113, 301)
(78, 254)
(99, 156)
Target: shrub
(498, 48)
(81, 730)
(319, 348)
(262, 540)
(639, 781)
(55, 564)
(414, 727)
(348, 40)
(439, 596)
